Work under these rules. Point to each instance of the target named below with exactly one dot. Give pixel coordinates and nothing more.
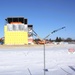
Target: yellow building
(15, 37)
(15, 31)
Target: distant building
(16, 31)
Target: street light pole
(44, 59)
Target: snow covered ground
(26, 60)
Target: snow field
(19, 61)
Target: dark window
(9, 20)
(25, 21)
(21, 20)
(30, 25)
(15, 19)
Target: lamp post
(44, 53)
(44, 59)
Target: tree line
(59, 39)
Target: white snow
(23, 60)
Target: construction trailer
(16, 31)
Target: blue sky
(45, 15)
